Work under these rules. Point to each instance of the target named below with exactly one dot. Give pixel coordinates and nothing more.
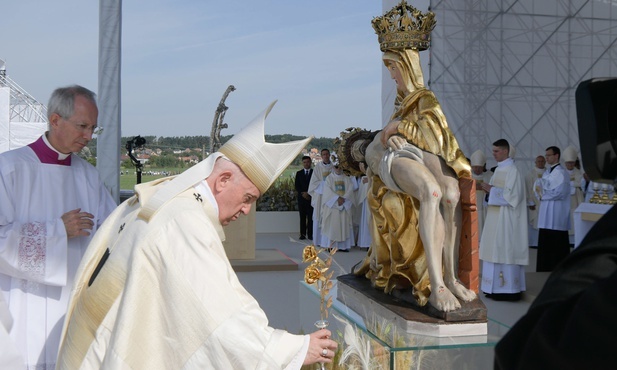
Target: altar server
(503, 247)
(52, 202)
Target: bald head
(232, 189)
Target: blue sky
(319, 58)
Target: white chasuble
(167, 297)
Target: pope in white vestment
(155, 288)
(503, 247)
(37, 261)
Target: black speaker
(596, 112)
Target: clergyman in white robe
(336, 219)
(37, 261)
(503, 247)
(167, 296)
(364, 223)
(533, 202)
(315, 190)
(553, 218)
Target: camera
(596, 111)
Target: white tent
(22, 118)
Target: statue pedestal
(358, 294)
(239, 241)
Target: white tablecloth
(582, 214)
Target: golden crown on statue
(404, 27)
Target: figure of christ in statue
(417, 167)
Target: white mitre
(570, 154)
(261, 162)
(478, 158)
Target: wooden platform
(358, 294)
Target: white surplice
(167, 296)
(554, 213)
(37, 262)
(336, 220)
(504, 244)
(533, 200)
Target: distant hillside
(196, 144)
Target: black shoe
(344, 250)
(302, 237)
(310, 238)
(507, 297)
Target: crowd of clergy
(517, 211)
(341, 216)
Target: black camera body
(596, 111)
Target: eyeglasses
(84, 127)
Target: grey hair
(62, 100)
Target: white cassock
(37, 262)
(577, 196)
(10, 357)
(364, 224)
(480, 198)
(167, 296)
(503, 246)
(315, 190)
(336, 220)
(533, 200)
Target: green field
(128, 180)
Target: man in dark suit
(303, 178)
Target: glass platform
(376, 343)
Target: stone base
(358, 294)
(265, 260)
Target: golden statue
(415, 164)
